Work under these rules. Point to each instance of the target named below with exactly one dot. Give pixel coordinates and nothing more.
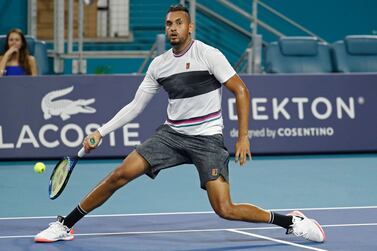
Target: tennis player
(192, 73)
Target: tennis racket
(61, 173)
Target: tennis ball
(39, 167)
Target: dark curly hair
(179, 7)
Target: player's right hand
(91, 141)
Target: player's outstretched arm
(124, 116)
(240, 91)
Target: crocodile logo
(51, 106)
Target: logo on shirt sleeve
(187, 66)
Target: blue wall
(330, 19)
(13, 14)
(107, 65)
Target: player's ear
(191, 28)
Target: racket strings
(59, 177)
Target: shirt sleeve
(127, 113)
(148, 87)
(218, 65)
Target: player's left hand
(242, 150)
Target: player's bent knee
(119, 177)
(115, 180)
(225, 211)
(132, 167)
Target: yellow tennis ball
(39, 167)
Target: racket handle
(81, 152)
(92, 141)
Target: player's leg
(149, 158)
(221, 202)
(155, 154)
(220, 199)
(296, 223)
(132, 167)
(211, 159)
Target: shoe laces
(300, 234)
(294, 230)
(295, 219)
(57, 227)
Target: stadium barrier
(48, 116)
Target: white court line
(109, 215)
(276, 240)
(325, 208)
(188, 213)
(147, 232)
(189, 231)
(351, 225)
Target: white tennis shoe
(306, 228)
(55, 232)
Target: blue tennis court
(172, 212)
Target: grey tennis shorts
(168, 148)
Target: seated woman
(16, 59)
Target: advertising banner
(308, 113)
(48, 116)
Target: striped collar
(185, 50)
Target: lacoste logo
(64, 107)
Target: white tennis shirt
(193, 80)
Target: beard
(175, 42)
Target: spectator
(16, 59)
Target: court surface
(173, 213)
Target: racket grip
(81, 152)
(92, 141)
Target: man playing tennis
(192, 73)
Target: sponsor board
(308, 113)
(47, 117)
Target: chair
(298, 55)
(41, 56)
(356, 53)
(36, 48)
